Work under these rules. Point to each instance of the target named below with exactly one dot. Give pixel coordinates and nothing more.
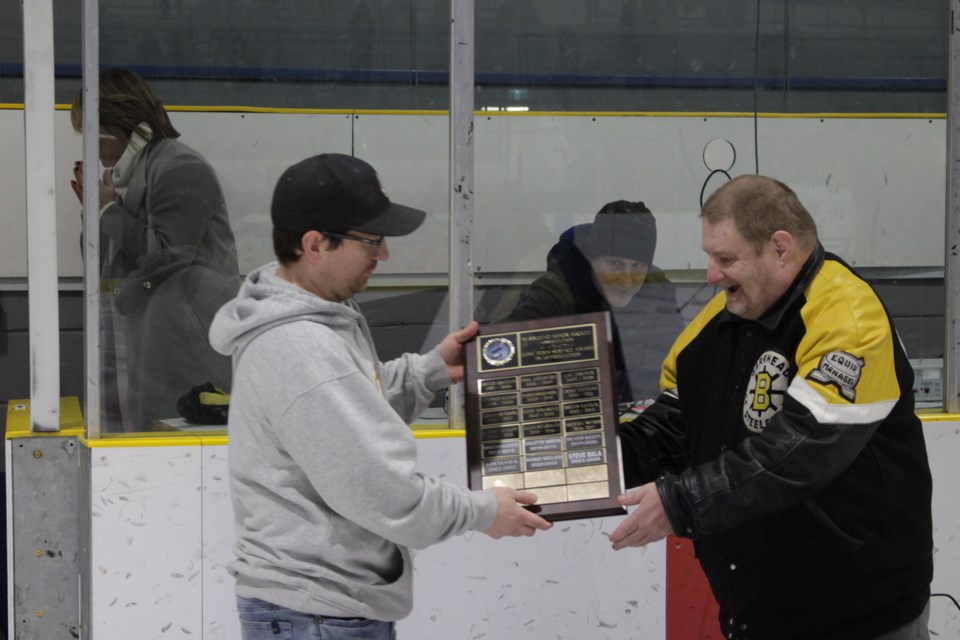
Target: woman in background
(168, 257)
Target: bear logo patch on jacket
(765, 390)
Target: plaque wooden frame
(541, 413)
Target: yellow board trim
(71, 424)
(427, 434)
(127, 440)
(933, 416)
(503, 114)
(18, 419)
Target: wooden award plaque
(541, 414)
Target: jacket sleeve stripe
(828, 413)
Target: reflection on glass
(696, 55)
(620, 55)
(916, 303)
(801, 57)
(167, 259)
(607, 265)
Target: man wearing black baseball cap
(327, 500)
(334, 197)
(336, 192)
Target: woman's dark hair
(126, 102)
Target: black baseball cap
(337, 192)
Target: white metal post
(91, 219)
(951, 266)
(461, 178)
(38, 118)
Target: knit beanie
(623, 229)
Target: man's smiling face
(749, 277)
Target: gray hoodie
(326, 496)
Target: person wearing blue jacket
(607, 265)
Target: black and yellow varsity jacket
(788, 449)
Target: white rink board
(566, 583)
(943, 447)
(219, 601)
(146, 565)
(162, 532)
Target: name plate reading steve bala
(541, 414)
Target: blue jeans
(261, 620)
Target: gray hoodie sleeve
(410, 381)
(360, 457)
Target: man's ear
(311, 243)
(784, 245)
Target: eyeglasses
(343, 236)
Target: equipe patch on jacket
(840, 369)
(765, 390)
